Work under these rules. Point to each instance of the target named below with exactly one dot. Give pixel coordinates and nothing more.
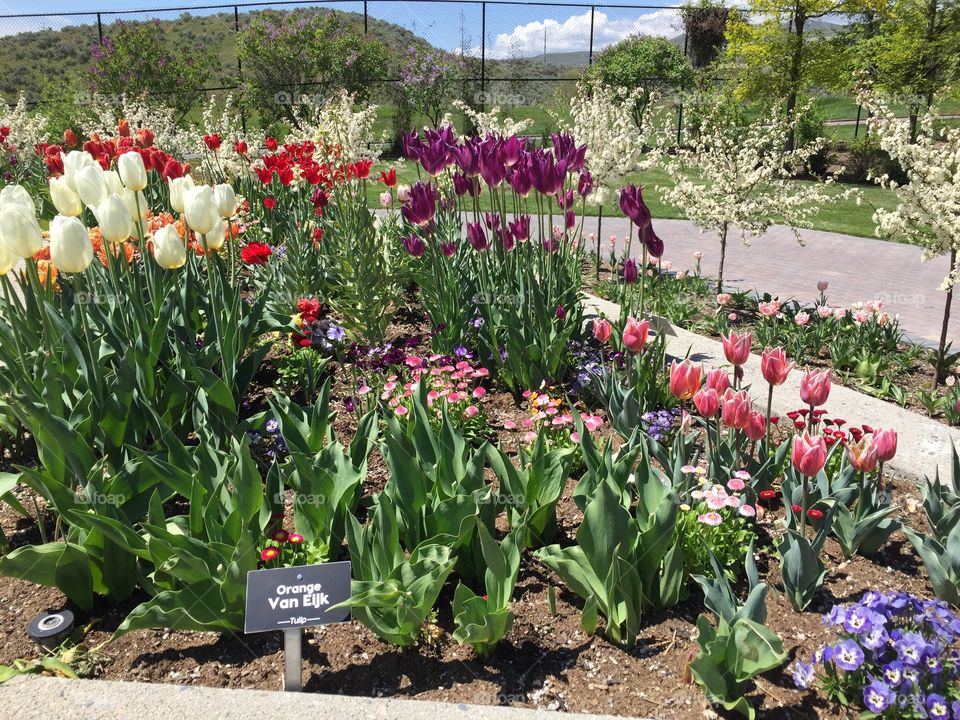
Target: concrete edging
(40, 698)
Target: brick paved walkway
(858, 269)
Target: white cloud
(573, 34)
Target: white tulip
(403, 192)
(178, 189)
(169, 249)
(226, 200)
(19, 231)
(70, 247)
(114, 219)
(91, 185)
(7, 260)
(131, 199)
(73, 162)
(132, 170)
(114, 184)
(215, 238)
(17, 195)
(201, 209)
(65, 200)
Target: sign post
(292, 598)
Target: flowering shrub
(896, 656)
(430, 80)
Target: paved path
(858, 269)
(924, 446)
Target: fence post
(366, 17)
(100, 28)
(483, 56)
(856, 127)
(593, 10)
(236, 43)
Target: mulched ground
(546, 661)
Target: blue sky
(512, 30)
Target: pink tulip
(775, 366)
(684, 379)
(707, 401)
(736, 408)
(862, 455)
(635, 335)
(885, 442)
(815, 387)
(757, 427)
(718, 380)
(736, 347)
(809, 454)
(602, 329)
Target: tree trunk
(599, 225)
(942, 349)
(723, 256)
(799, 20)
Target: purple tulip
(560, 312)
(467, 157)
(448, 249)
(585, 185)
(566, 150)
(492, 169)
(512, 150)
(520, 178)
(546, 174)
(506, 238)
(410, 145)
(414, 245)
(652, 241)
(633, 206)
(570, 218)
(434, 156)
(462, 184)
(476, 236)
(521, 228)
(629, 271)
(491, 220)
(421, 204)
(565, 200)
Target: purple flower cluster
(900, 651)
(270, 442)
(660, 424)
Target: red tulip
(707, 401)
(775, 366)
(815, 386)
(736, 347)
(602, 329)
(809, 454)
(635, 337)
(69, 138)
(718, 380)
(885, 441)
(256, 253)
(240, 147)
(684, 379)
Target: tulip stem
(803, 509)
(769, 413)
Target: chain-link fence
(523, 57)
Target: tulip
(756, 428)
(114, 219)
(169, 249)
(65, 200)
(70, 247)
(386, 199)
(403, 192)
(214, 239)
(809, 454)
(136, 204)
(707, 401)
(862, 455)
(114, 183)
(19, 230)
(815, 387)
(684, 379)
(414, 245)
(132, 171)
(73, 162)
(226, 200)
(17, 195)
(421, 204)
(735, 409)
(736, 348)
(635, 336)
(7, 260)
(718, 380)
(476, 236)
(629, 271)
(775, 366)
(91, 185)
(200, 208)
(886, 443)
(602, 329)
(178, 189)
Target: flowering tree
(429, 81)
(928, 208)
(604, 119)
(735, 175)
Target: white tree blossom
(741, 176)
(492, 122)
(163, 121)
(335, 121)
(27, 129)
(223, 118)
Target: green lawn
(843, 217)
